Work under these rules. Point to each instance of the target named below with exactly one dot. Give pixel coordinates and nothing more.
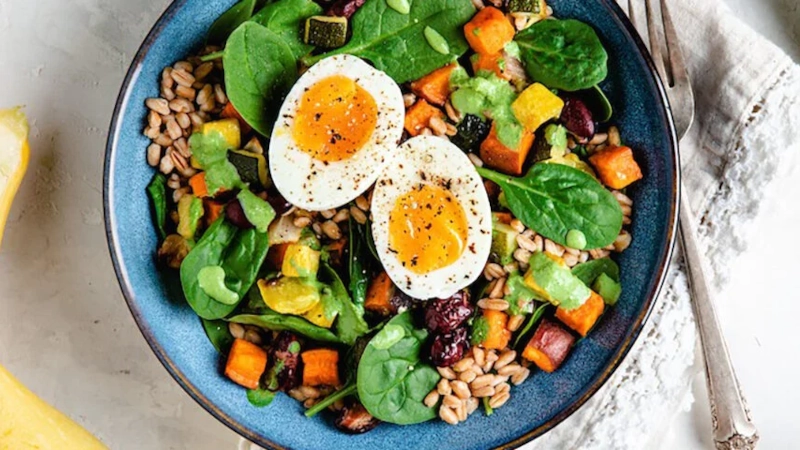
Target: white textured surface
(66, 332)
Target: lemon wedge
(14, 154)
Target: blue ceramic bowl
(176, 335)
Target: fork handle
(730, 416)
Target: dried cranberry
(345, 8)
(235, 213)
(284, 375)
(355, 419)
(577, 117)
(278, 203)
(448, 349)
(443, 315)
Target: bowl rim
(130, 299)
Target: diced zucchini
(504, 242)
(538, 7)
(326, 31)
(607, 288)
(252, 167)
(190, 211)
(471, 132)
(300, 261)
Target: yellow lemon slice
(14, 153)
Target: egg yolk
(427, 229)
(336, 117)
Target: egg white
(433, 160)
(316, 185)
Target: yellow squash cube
(229, 129)
(536, 105)
(289, 295)
(317, 316)
(300, 261)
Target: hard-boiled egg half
(337, 126)
(432, 221)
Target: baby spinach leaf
(554, 199)
(589, 271)
(230, 20)
(563, 54)
(239, 252)
(359, 257)
(259, 70)
(531, 322)
(393, 382)
(271, 320)
(350, 324)
(219, 335)
(260, 397)
(286, 18)
(396, 43)
(157, 190)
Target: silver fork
(732, 426)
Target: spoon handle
(730, 416)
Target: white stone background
(64, 327)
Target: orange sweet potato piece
(489, 31)
(276, 253)
(494, 62)
(230, 112)
(502, 158)
(549, 346)
(320, 367)
(435, 86)
(198, 185)
(583, 318)
(336, 251)
(616, 167)
(379, 295)
(246, 363)
(503, 217)
(498, 336)
(213, 210)
(419, 115)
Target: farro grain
(358, 215)
(487, 366)
(472, 405)
(526, 243)
(623, 241)
(598, 253)
(309, 403)
(198, 85)
(481, 381)
(613, 136)
(479, 5)
(209, 106)
(461, 411)
(154, 119)
(219, 94)
(467, 376)
(446, 373)
(517, 225)
(539, 242)
(600, 147)
(570, 259)
(571, 144)
(182, 146)
(181, 105)
(174, 181)
(460, 388)
(153, 154)
(151, 132)
(309, 391)
(477, 369)
(205, 94)
(178, 160)
(178, 194)
(186, 66)
(464, 364)
(626, 220)
(197, 121)
(443, 387)
(173, 129)
(622, 198)
(515, 321)
(502, 387)
(236, 329)
(496, 304)
(505, 358)
(452, 114)
(409, 99)
(183, 120)
(341, 215)
(626, 210)
(426, 132)
(438, 126)
(553, 248)
(479, 355)
(513, 266)
(598, 138)
(301, 222)
(498, 379)
(167, 93)
(448, 415)
(166, 77)
(203, 70)
(451, 130)
(583, 257)
(509, 370)
(338, 405)
(484, 391)
(317, 229)
(521, 375)
(362, 203)
(158, 105)
(328, 213)
(522, 255)
(297, 395)
(493, 270)
(252, 336)
(183, 77)
(497, 290)
(186, 92)
(475, 159)
(163, 140)
(499, 400)
(431, 399)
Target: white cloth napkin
(748, 115)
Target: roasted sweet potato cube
(498, 335)
(583, 318)
(489, 31)
(246, 363)
(435, 86)
(419, 116)
(379, 295)
(616, 167)
(549, 346)
(507, 160)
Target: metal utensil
(733, 428)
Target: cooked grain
(431, 399)
(482, 381)
(522, 255)
(526, 243)
(152, 133)
(219, 94)
(358, 215)
(521, 375)
(448, 415)
(623, 241)
(461, 411)
(598, 139)
(446, 373)
(613, 136)
(178, 160)
(178, 194)
(515, 321)
(236, 329)
(203, 70)
(254, 146)
(158, 105)
(553, 248)
(409, 99)
(475, 159)
(598, 253)
(197, 121)
(452, 114)
(297, 395)
(472, 405)
(622, 198)
(183, 78)
(443, 387)
(499, 399)
(362, 203)
(186, 66)
(496, 304)
(342, 215)
(309, 391)
(163, 140)
(497, 290)
(181, 105)
(154, 119)
(310, 403)
(517, 225)
(467, 376)
(173, 129)
(479, 355)
(493, 270)
(464, 364)
(583, 257)
(570, 259)
(301, 222)
(484, 391)
(166, 77)
(460, 388)
(328, 213)
(505, 358)
(174, 181)
(182, 147)
(509, 370)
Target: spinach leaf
(554, 199)
(598, 104)
(563, 54)
(239, 252)
(271, 320)
(371, 240)
(395, 43)
(393, 382)
(350, 324)
(531, 322)
(286, 18)
(358, 262)
(259, 70)
(260, 397)
(230, 20)
(590, 270)
(157, 189)
(219, 335)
